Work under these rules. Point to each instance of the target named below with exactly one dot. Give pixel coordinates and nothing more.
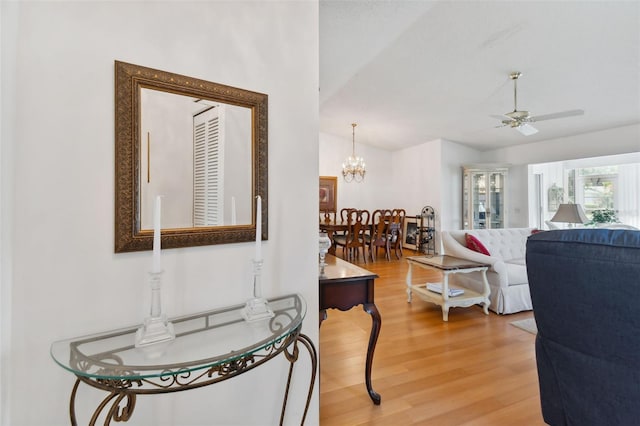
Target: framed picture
(410, 233)
(328, 193)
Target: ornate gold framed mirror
(201, 146)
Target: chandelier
(353, 167)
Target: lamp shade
(570, 213)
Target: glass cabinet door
(483, 198)
(479, 191)
(466, 201)
(496, 188)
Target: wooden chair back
(355, 238)
(344, 213)
(395, 230)
(379, 233)
(358, 225)
(328, 217)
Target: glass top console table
(209, 347)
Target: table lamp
(570, 213)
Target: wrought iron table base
(126, 391)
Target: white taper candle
(258, 229)
(233, 210)
(156, 237)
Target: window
(610, 182)
(596, 188)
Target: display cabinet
(484, 203)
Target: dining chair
(344, 213)
(395, 231)
(354, 238)
(328, 217)
(379, 234)
(344, 217)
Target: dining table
(332, 227)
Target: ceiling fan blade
(500, 117)
(563, 114)
(527, 129)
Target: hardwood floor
(472, 370)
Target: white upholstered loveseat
(508, 272)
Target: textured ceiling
(413, 71)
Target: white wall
(7, 72)
(237, 150)
(166, 124)
(416, 177)
(552, 174)
(60, 277)
(375, 192)
(454, 156)
(430, 173)
(619, 140)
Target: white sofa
(508, 272)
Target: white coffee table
(449, 265)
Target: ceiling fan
(520, 120)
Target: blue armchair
(585, 289)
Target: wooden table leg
(322, 317)
(376, 320)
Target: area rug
(528, 325)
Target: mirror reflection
(195, 154)
(200, 145)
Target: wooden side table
(449, 265)
(344, 285)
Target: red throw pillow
(474, 244)
(535, 231)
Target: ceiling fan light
(527, 129)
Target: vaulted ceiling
(413, 71)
